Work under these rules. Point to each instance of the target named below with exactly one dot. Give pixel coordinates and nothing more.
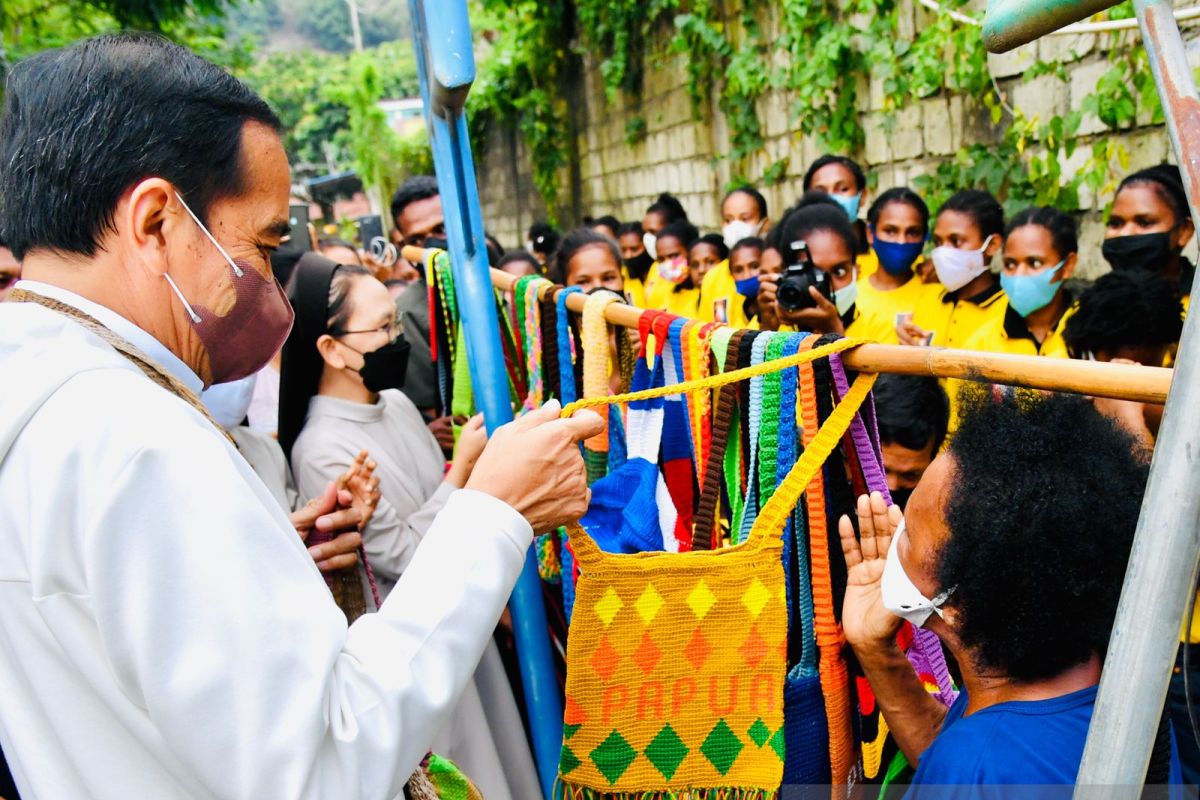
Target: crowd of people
(248, 554)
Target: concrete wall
(688, 156)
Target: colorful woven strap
(596, 358)
(768, 433)
(754, 411)
(531, 330)
(566, 347)
(706, 530)
(835, 677)
(549, 330)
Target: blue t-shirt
(1038, 744)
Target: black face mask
(900, 497)
(385, 368)
(639, 265)
(1145, 251)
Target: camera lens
(793, 294)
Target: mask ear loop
(236, 269)
(195, 317)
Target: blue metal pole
(446, 69)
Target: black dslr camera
(798, 276)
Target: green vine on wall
(822, 58)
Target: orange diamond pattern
(647, 654)
(697, 650)
(754, 648)
(605, 659)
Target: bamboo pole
(1097, 379)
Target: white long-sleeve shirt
(164, 632)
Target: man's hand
(864, 619)
(471, 441)
(533, 463)
(442, 429)
(331, 515)
(362, 483)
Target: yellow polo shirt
(657, 290)
(635, 289)
(1010, 334)
(953, 321)
(885, 306)
(720, 300)
(682, 302)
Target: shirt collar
(119, 325)
(981, 299)
(1015, 326)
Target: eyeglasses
(393, 329)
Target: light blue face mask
(849, 203)
(1028, 293)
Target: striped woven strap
(596, 365)
(549, 329)
(707, 534)
(754, 412)
(835, 677)
(768, 433)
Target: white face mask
(737, 230)
(956, 268)
(651, 243)
(844, 298)
(900, 595)
(229, 402)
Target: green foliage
(635, 130)
(521, 82)
(327, 22)
(310, 92)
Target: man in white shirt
(163, 631)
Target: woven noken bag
(676, 661)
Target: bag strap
(705, 536)
(834, 676)
(741, 529)
(548, 328)
(566, 346)
(595, 358)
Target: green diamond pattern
(722, 747)
(666, 751)
(571, 730)
(568, 761)
(759, 733)
(613, 756)
(779, 744)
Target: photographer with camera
(817, 285)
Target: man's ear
(145, 219)
(327, 346)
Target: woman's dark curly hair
(1044, 503)
(1130, 308)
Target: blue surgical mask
(849, 203)
(1028, 293)
(897, 258)
(747, 287)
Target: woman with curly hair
(1014, 556)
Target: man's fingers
(341, 544)
(866, 528)
(338, 562)
(583, 424)
(539, 416)
(850, 548)
(879, 511)
(344, 519)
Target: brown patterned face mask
(242, 341)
